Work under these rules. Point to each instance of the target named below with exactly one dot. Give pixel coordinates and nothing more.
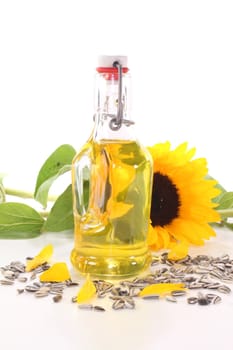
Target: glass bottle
(112, 181)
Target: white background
(181, 59)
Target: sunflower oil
(111, 229)
(111, 184)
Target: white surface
(28, 323)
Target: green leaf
(226, 201)
(229, 225)
(61, 215)
(18, 220)
(57, 164)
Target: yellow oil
(112, 196)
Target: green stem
(18, 193)
(24, 194)
(226, 213)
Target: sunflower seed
(58, 285)
(171, 299)
(6, 282)
(98, 308)
(210, 296)
(123, 292)
(151, 297)
(22, 279)
(214, 285)
(56, 289)
(118, 304)
(8, 274)
(195, 285)
(85, 306)
(44, 289)
(129, 302)
(150, 279)
(155, 260)
(72, 284)
(220, 266)
(57, 298)
(216, 274)
(20, 291)
(178, 293)
(228, 265)
(33, 276)
(41, 293)
(134, 292)
(201, 271)
(55, 292)
(31, 288)
(37, 284)
(107, 287)
(192, 300)
(101, 294)
(38, 269)
(10, 278)
(45, 284)
(189, 269)
(225, 258)
(45, 267)
(126, 284)
(216, 299)
(115, 291)
(224, 289)
(202, 300)
(17, 266)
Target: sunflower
(182, 206)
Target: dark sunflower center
(165, 201)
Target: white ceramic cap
(107, 61)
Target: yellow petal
(87, 291)
(56, 273)
(158, 238)
(161, 288)
(178, 251)
(41, 258)
(152, 236)
(117, 209)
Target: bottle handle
(82, 185)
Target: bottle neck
(112, 119)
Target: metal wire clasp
(116, 121)
(120, 105)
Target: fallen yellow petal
(56, 273)
(87, 291)
(41, 258)
(161, 288)
(178, 251)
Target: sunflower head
(182, 206)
